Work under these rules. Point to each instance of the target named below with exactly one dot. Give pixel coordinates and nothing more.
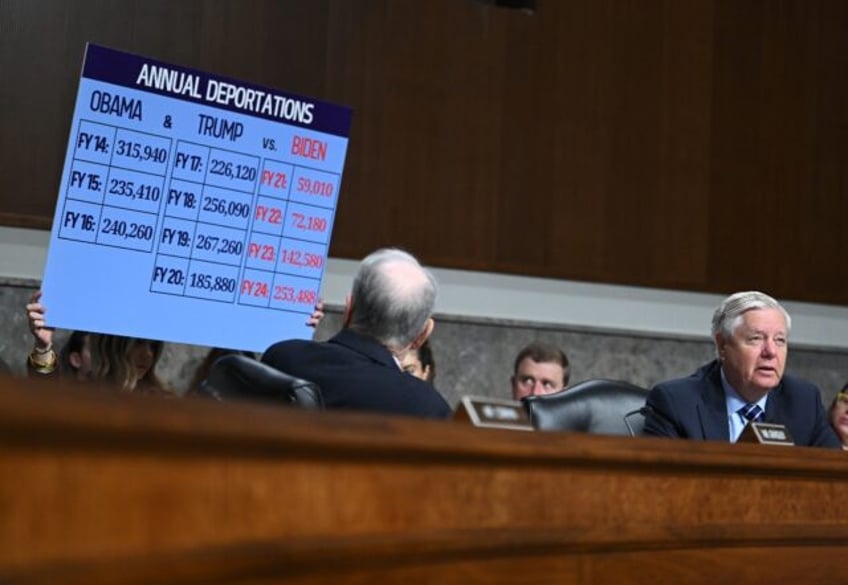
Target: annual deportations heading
(221, 92)
(146, 74)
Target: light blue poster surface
(192, 208)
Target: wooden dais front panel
(97, 487)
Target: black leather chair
(606, 407)
(236, 376)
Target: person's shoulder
(416, 384)
(431, 402)
(284, 352)
(691, 381)
(288, 345)
(794, 384)
(421, 397)
(357, 342)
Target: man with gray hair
(387, 314)
(745, 383)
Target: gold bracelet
(45, 368)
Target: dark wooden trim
(25, 221)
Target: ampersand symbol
(167, 122)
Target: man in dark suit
(388, 314)
(746, 382)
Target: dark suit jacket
(694, 408)
(357, 373)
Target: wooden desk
(102, 488)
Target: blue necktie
(752, 412)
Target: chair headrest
(594, 406)
(241, 377)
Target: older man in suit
(746, 382)
(387, 315)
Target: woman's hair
(110, 361)
(74, 344)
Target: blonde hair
(110, 361)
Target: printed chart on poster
(192, 208)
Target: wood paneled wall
(685, 144)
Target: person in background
(387, 315)
(420, 363)
(74, 357)
(838, 416)
(540, 368)
(128, 363)
(125, 362)
(746, 382)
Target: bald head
(393, 296)
(405, 280)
